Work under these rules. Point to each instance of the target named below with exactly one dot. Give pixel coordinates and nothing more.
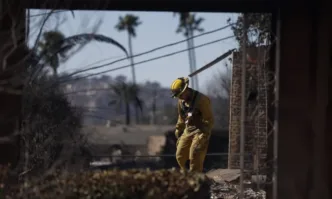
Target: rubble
(223, 190)
(225, 185)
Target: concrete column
(324, 179)
(295, 132)
(304, 107)
(328, 128)
(320, 187)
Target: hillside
(94, 94)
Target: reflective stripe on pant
(193, 147)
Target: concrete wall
(304, 163)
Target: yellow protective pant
(193, 147)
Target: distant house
(155, 144)
(146, 141)
(142, 139)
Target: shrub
(50, 128)
(115, 184)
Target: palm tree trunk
(133, 71)
(154, 107)
(193, 57)
(55, 72)
(127, 113)
(131, 58)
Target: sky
(157, 29)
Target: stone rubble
(230, 191)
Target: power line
(143, 53)
(137, 55)
(149, 51)
(97, 62)
(148, 60)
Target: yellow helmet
(179, 86)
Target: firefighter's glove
(178, 133)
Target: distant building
(116, 155)
(125, 140)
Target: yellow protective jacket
(202, 117)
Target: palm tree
(155, 88)
(126, 94)
(129, 23)
(49, 46)
(188, 24)
(54, 47)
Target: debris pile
(225, 185)
(229, 191)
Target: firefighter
(194, 124)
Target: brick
(256, 113)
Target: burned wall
(256, 110)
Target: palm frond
(62, 46)
(129, 22)
(112, 102)
(64, 50)
(87, 37)
(138, 23)
(53, 37)
(179, 30)
(72, 13)
(200, 29)
(198, 21)
(120, 26)
(116, 89)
